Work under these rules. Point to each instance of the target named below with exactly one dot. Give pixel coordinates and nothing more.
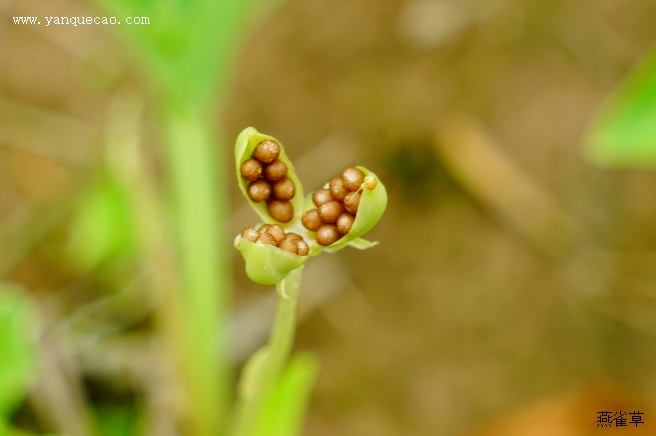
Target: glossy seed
(303, 248)
(277, 232)
(327, 234)
(284, 189)
(275, 171)
(290, 246)
(250, 234)
(259, 190)
(311, 220)
(330, 211)
(266, 238)
(291, 236)
(337, 189)
(264, 228)
(353, 178)
(321, 196)
(352, 201)
(345, 223)
(251, 170)
(266, 151)
(282, 211)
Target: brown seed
(259, 190)
(266, 151)
(264, 228)
(337, 189)
(277, 232)
(353, 178)
(327, 234)
(266, 238)
(303, 248)
(352, 201)
(284, 189)
(276, 170)
(250, 234)
(344, 223)
(291, 236)
(321, 196)
(330, 211)
(251, 170)
(311, 220)
(282, 211)
(290, 246)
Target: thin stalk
(197, 185)
(264, 367)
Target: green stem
(263, 369)
(200, 205)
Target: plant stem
(263, 368)
(200, 212)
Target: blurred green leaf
(623, 134)
(285, 406)
(102, 229)
(188, 44)
(116, 420)
(18, 348)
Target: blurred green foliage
(624, 132)
(102, 230)
(18, 348)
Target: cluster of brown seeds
(268, 181)
(337, 207)
(273, 234)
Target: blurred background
(514, 288)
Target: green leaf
(246, 142)
(102, 229)
(285, 406)
(266, 264)
(18, 346)
(623, 134)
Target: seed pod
(327, 234)
(247, 141)
(337, 189)
(277, 232)
(303, 248)
(353, 178)
(311, 220)
(284, 189)
(290, 246)
(251, 170)
(250, 234)
(321, 196)
(275, 171)
(352, 201)
(282, 211)
(259, 190)
(344, 223)
(330, 211)
(266, 151)
(266, 238)
(291, 236)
